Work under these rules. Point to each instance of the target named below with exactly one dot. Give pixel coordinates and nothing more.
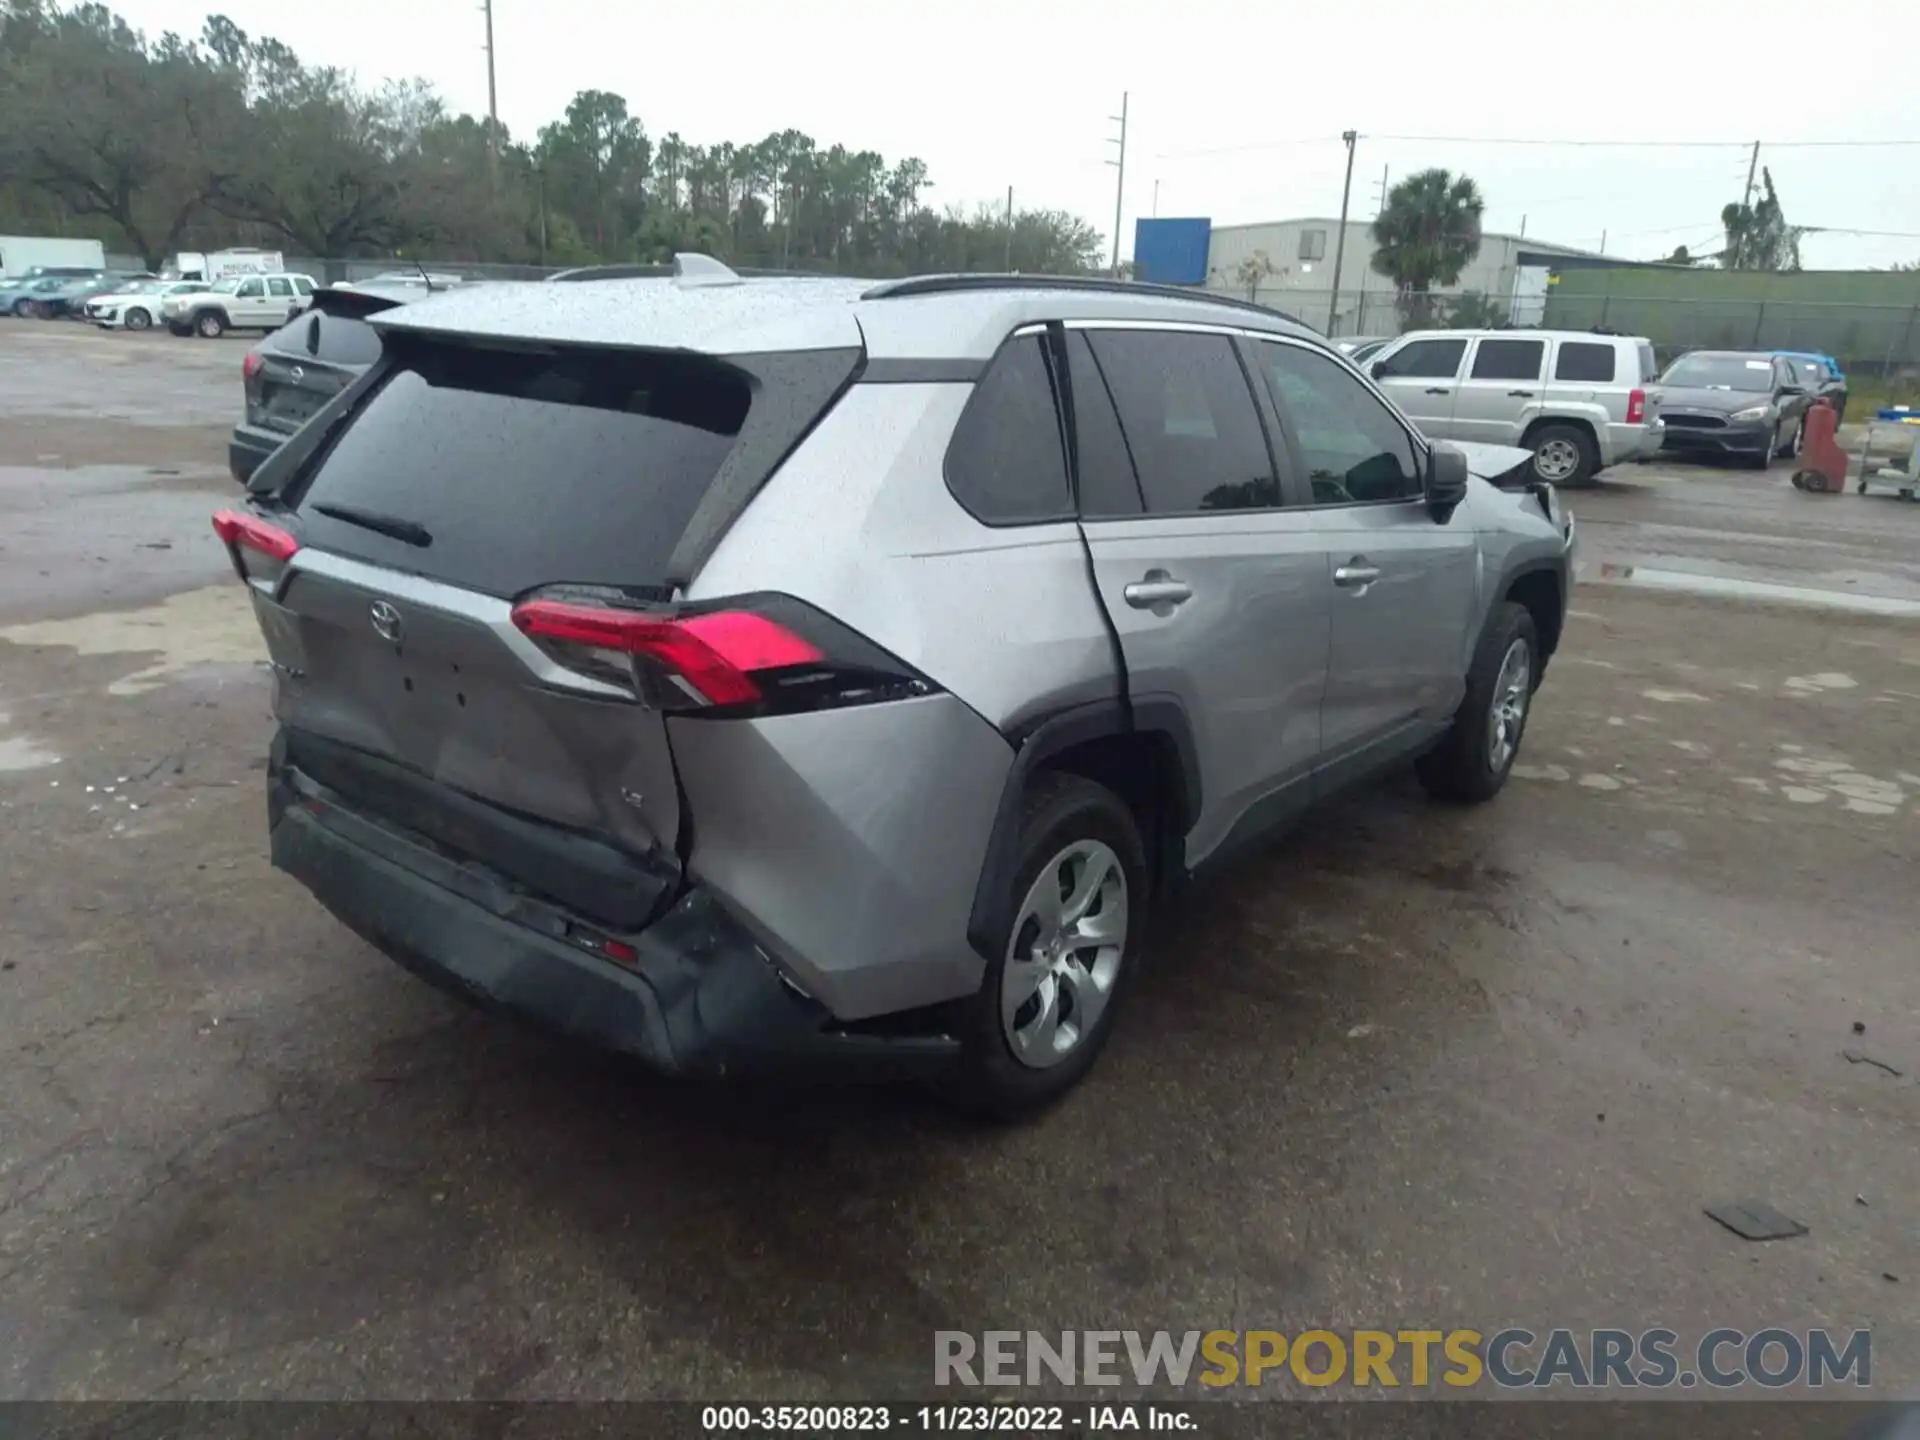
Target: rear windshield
(529, 470)
(334, 339)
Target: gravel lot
(1414, 1066)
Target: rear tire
(1564, 455)
(1471, 762)
(1022, 1048)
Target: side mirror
(1793, 390)
(1378, 369)
(1446, 479)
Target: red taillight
(250, 532)
(1636, 407)
(250, 366)
(714, 655)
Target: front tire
(1564, 455)
(1077, 927)
(210, 324)
(137, 319)
(1473, 759)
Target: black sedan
(1742, 405)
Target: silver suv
(736, 673)
(1577, 400)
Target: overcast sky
(1235, 108)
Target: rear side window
(1189, 420)
(1584, 360)
(1006, 464)
(1425, 360)
(1509, 359)
(529, 470)
(1649, 368)
(1108, 486)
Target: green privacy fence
(1870, 320)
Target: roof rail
(688, 267)
(1100, 284)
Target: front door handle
(1519, 394)
(1157, 589)
(1356, 574)
(1439, 391)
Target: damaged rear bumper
(697, 997)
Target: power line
(1740, 145)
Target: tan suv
(1577, 400)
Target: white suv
(1577, 400)
(245, 302)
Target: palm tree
(1425, 235)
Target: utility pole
(1156, 199)
(1120, 181)
(493, 97)
(1009, 229)
(1340, 244)
(1603, 242)
(1746, 198)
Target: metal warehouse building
(1299, 258)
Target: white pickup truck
(257, 302)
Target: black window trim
(1263, 409)
(1298, 467)
(1056, 385)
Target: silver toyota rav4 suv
(738, 673)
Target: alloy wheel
(1069, 937)
(1508, 715)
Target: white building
(1296, 274)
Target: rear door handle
(1356, 574)
(1519, 394)
(1439, 391)
(1158, 588)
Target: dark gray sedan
(1744, 405)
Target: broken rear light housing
(747, 656)
(259, 549)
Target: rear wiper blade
(407, 532)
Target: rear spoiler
(352, 304)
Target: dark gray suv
(746, 672)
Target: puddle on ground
(1730, 587)
(210, 626)
(23, 752)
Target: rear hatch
(312, 358)
(471, 484)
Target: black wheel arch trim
(1039, 741)
(1554, 565)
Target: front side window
(1424, 360)
(1188, 419)
(251, 289)
(1355, 451)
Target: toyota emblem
(386, 621)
